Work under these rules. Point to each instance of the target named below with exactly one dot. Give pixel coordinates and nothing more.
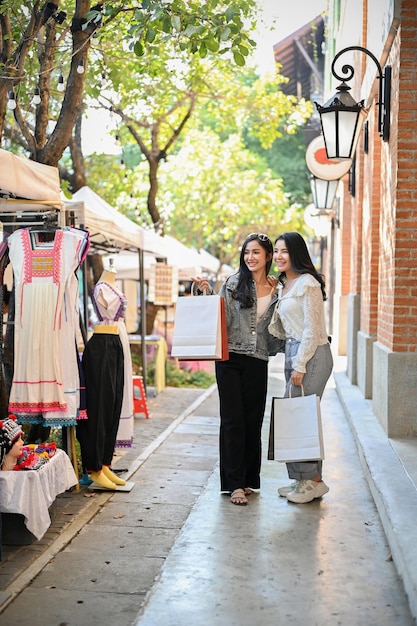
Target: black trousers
(242, 383)
(103, 367)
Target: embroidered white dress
(45, 387)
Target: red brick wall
(345, 223)
(370, 231)
(397, 268)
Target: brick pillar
(395, 354)
(370, 256)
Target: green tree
(286, 159)
(156, 103)
(42, 41)
(212, 194)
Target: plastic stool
(139, 396)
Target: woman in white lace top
(299, 319)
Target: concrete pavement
(329, 562)
(273, 562)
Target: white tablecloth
(31, 492)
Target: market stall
(32, 217)
(31, 493)
(112, 233)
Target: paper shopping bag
(200, 331)
(295, 431)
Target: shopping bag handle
(302, 389)
(204, 292)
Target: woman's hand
(202, 284)
(272, 281)
(297, 378)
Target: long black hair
(301, 262)
(244, 288)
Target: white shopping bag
(200, 329)
(295, 432)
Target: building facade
(374, 220)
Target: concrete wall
(394, 391)
(365, 363)
(353, 324)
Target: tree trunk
(153, 191)
(77, 178)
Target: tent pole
(85, 293)
(142, 315)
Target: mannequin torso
(109, 277)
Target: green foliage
(257, 107)
(226, 194)
(177, 377)
(197, 27)
(35, 48)
(286, 159)
(216, 183)
(211, 193)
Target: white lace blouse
(300, 314)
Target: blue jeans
(318, 371)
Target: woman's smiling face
(255, 256)
(282, 256)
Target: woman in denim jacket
(250, 296)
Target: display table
(31, 492)
(160, 358)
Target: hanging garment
(103, 370)
(69, 360)
(45, 387)
(110, 306)
(4, 389)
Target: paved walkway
(73, 510)
(215, 564)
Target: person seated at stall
(11, 443)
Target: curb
(394, 493)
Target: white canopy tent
(110, 231)
(189, 262)
(29, 192)
(108, 227)
(22, 178)
(114, 233)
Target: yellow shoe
(112, 476)
(101, 479)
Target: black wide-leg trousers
(242, 383)
(103, 367)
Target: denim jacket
(245, 336)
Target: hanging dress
(69, 360)
(45, 387)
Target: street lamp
(342, 118)
(323, 192)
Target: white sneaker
(306, 491)
(284, 491)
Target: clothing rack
(47, 221)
